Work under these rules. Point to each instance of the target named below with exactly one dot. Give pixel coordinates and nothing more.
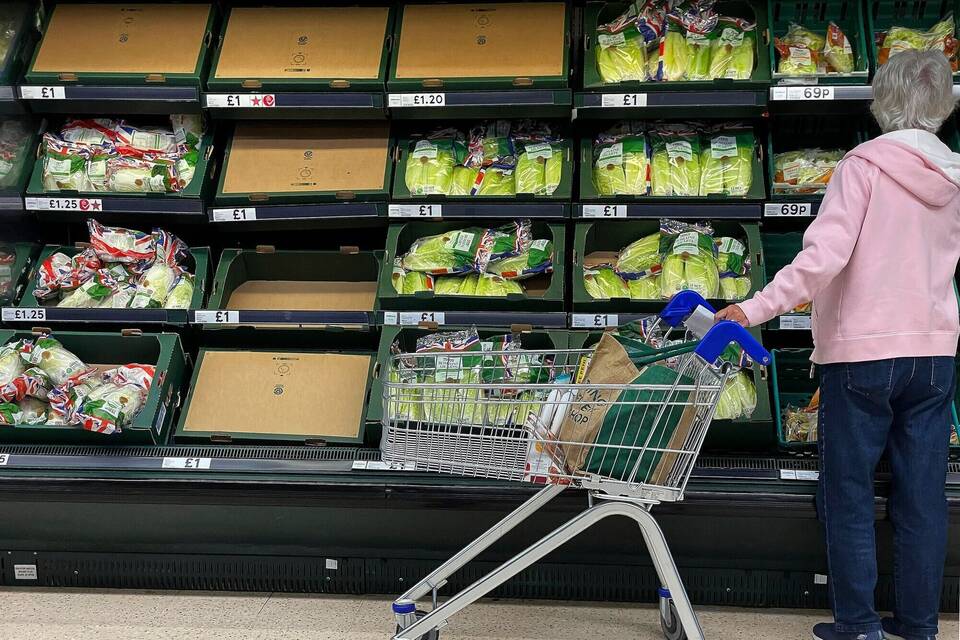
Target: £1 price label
(604, 211)
(241, 100)
(417, 99)
(241, 214)
(186, 463)
(415, 318)
(594, 320)
(43, 93)
(415, 211)
(11, 314)
(216, 317)
(787, 210)
(623, 100)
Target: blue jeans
(901, 406)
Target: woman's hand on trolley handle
(734, 313)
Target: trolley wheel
(670, 623)
(433, 634)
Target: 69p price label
(788, 210)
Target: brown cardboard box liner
(269, 158)
(304, 394)
(303, 42)
(496, 40)
(600, 258)
(303, 295)
(123, 38)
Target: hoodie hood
(918, 161)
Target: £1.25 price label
(788, 210)
(216, 317)
(594, 320)
(64, 204)
(12, 314)
(417, 100)
(415, 211)
(604, 211)
(241, 214)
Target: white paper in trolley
(700, 321)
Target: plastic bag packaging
(64, 165)
(675, 53)
(51, 274)
(640, 258)
(31, 382)
(689, 261)
(800, 424)
(940, 37)
(646, 288)
(510, 239)
(447, 285)
(728, 163)
(91, 293)
(11, 364)
(450, 253)
(676, 165)
(738, 398)
(58, 363)
(94, 132)
(117, 401)
(837, 50)
(121, 297)
(430, 166)
(621, 57)
(139, 175)
(531, 171)
(468, 284)
(536, 260)
(155, 284)
(800, 51)
(734, 289)
(731, 257)
(731, 52)
(804, 170)
(410, 282)
(495, 182)
(116, 244)
(622, 167)
(32, 411)
(146, 139)
(603, 283)
(464, 179)
(493, 286)
(181, 294)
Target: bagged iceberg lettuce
(538, 259)
(494, 286)
(689, 260)
(181, 294)
(117, 401)
(117, 244)
(640, 258)
(91, 293)
(676, 165)
(837, 50)
(454, 252)
(539, 167)
(621, 165)
(410, 282)
(738, 398)
(732, 50)
(731, 257)
(430, 165)
(59, 364)
(646, 288)
(155, 284)
(734, 288)
(603, 283)
(727, 163)
(447, 285)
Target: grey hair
(913, 90)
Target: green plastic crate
(401, 236)
(792, 386)
(152, 424)
(21, 46)
(564, 190)
(883, 14)
(597, 13)
(816, 15)
(17, 270)
(611, 235)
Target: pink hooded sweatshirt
(878, 261)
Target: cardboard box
(271, 46)
(150, 42)
(290, 162)
(246, 395)
(517, 44)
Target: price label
(604, 211)
(415, 211)
(216, 317)
(4, 459)
(417, 99)
(413, 318)
(788, 210)
(809, 93)
(43, 93)
(64, 204)
(186, 463)
(595, 320)
(234, 215)
(377, 465)
(795, 474)
(621, 100)
(241, 100)
(25, 572)
(10, 314)
(795, 322)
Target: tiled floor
(29, 614)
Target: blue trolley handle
(719, 337)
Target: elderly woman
(878, 263)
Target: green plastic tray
(611, 235)
(25, 254)
(21, 47)
(152, 424)
(883, 14)
(401, 236)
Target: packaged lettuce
(430, 165)
(733, 289)
(468, 284)
(640, 258)
(727, 165)
(117, 401)
(181, 294)
(121, 297)
(59, 364)
(11, 364)
(800, 51)
(464, 343)
(64, 165)
(646, 288)
(155, 284)
(731, 51)
(622, 56)
(940, 37)
(675, 54)
(496, 182)
(731, 257)
(116, 244)
(9, 413)
(603, 283)
(510, 240)
(410, 282)
(622, 167)
(450, 253)
(447, 285)
(804, 170)
(689, 260)
(837, 50)
(493, 286)
(32, 411)
(531, 171)
(91, 293)
(406, 404)
(536, 260)
(676, 165)
(738, 398)
(464, 180)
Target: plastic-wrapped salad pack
(42, 382)
(498, 158)
(122, 268)
(804, 170)
(803, 52)
(674, 160)
(112, 156)
(474, 261)
(800, 423)
(940, 37)
(679, 256)
(663, 40)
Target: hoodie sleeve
(827, 245)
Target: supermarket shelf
(795, 207)
(295, 105)
(470, 104)
(494, 209)
(231, 318)
(127, 317)
(71, 207)
(550, 320)
(317, 211)
(712, 209)
(110, 99)
(720, 103)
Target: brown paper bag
(609, 364)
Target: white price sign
(234, 215)
(604, 211)
(4, 459)
(788, 210)
(594, 320)
(609, 100)
(64, 204)
(216, 317)
(794, 474)
(795, 322)
(241, 100)
(186, 463)
(794, 94)
(24, 572)
(413, 318)
(415, 211)
(43, 93)
(417, 99)
(10, 314)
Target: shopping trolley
(509, 415)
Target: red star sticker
(95, 206)
(256, 101)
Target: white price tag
(604, 211)
(4, 459)
(819, 578)
(64, 204)
(595, 320)
(241, 100)
(234, 215)
(415, 211)
(186, 463)
(10, 314)
(377, 465)
(794, 474)
(417, 99)
(414, 318)
(43, 93)
(809, 93)
(216, 317)
(623, 100)
(332, 564)
(788, 210)
(795, 322)
(25, 571)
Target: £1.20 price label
(417, 99)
